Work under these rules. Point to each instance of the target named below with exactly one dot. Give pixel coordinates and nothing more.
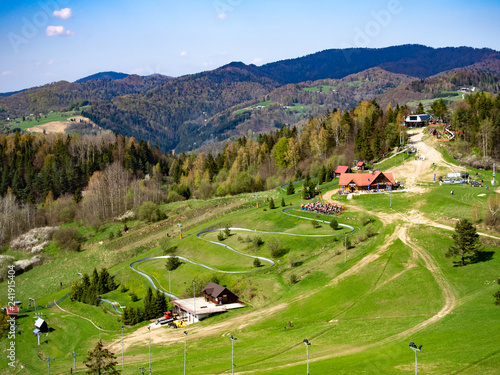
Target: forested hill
(184, 112)
(411, 59)
(103, 75)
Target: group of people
(322, 208)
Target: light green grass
(44, 119)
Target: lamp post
(415, 349)
(194, 299)
(48, 362)
(149, 329)
(169, 288)
(74, 359)
(81, 277)
(257, 199)
(233, 339)
(345, 247)
(180, 230)
(307, 343)
(123, 358)
(185, 350)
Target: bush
(275, 247)
(221, 236)
(364, 219)
(283, 204)
(173, 263)
(257, 241)
(293, 278)
(149, 211)
(123, 289)
(227, 231)
(133, 297)
(68, 239)
(334, 224)
(315, 224)
(257, 263)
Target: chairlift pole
(74, 359)
(123, 358)
(345, 247)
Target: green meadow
(359, 307)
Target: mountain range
(187, 112)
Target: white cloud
(222, 16)
(64, 13)
(50, 74)
(58, 31)
(183, 54)
(256, 61)
(207, 63)
(7, 72)
(51, 61)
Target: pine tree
(95, 280)
(100, 361)
(283, 204)
(290, 189)
(271, 204)
(466, 240)
(148, 304)
(160, 304)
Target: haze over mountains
(186, 112)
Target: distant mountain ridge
(180, 113)
(103, 75)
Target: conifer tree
(100, 361)
(148, 304)
(466, 241)
(290, 189)
(271, 204)
(283, 204)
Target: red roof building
(361, 165)
(12, 310)
(366, 181)
(342, 169)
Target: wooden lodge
(219, 294)
(350, 182)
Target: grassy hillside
(396, 286)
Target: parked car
(475, 184)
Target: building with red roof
(342, 169)
(361, 165)
(366, 181)
(12, 310)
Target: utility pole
(345, 247)
(48, 362)
(74, 359)
(185, 350)
(123, 359)
(149, 329)
(180, 230)
(194, 299)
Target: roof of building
(341, 169)
(12, 310)
(364, 179)
(418, 118)
(39, 322)
(360, 163)
(215, 290)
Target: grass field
(359, 315)
(323, 88)
(44, 119)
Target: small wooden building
(219, 294)
(361, 165)
(41, 325)
(341, 169)
(12, 311)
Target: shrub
(221, 236)
(111, 235)
(35, 240)
(68, 239)
(123, 289)
(133, 297)
(290, 190)
(315, 224)
(149, 211)
(257, 263)
(283, 204)
(275, 247)
(293, 278)
(334, 224)
(370, 232)
(227, 231)
(257, 241)
(364, 219)
(173, 263)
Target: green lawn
(44, 119)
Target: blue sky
(50, 40)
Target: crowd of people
(322, 208)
